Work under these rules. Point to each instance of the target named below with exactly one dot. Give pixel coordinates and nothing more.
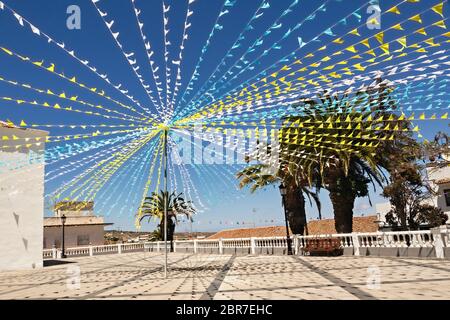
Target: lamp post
(63, 222)
(288, 238)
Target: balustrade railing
(394, 239)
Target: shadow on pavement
(49, 263)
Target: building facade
(81, 228)
(21, 197)
(439, 179)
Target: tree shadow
(49, 263)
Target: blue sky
(212, 185)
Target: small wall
(398, 252)
(208, 250)
(237, 251)
(447, 253)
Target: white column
(356, 244)
(439, 241)
(174, 246)
(220, 246)
(295, 237)
(119, 248)
(195, 246)
(253, 245)
(54, 253)
(91, 251)
(157, 246)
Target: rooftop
(325, 226)
(75, 221)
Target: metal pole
(165, 201)
(63, 253)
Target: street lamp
(283, 195)
(63, 221)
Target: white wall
(436, 174)
(53, 235)
(21, 202)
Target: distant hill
(116, 236)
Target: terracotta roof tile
(326, 226)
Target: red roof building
(315, 227)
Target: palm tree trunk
(170, 233)
(343, 211)
(295, 209)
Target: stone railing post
(295, 238)
(157, 246)
(91, 250)
(439, 241)
(220, 246)
(175, 246)
(119, 248)
(253, 245)
(195, 246)
(54, 253)
(356, 244)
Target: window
(447, 197)
(83, 240)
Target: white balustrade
(47, 254)
(399, 239)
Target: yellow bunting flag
(393, 10)
(421, 31)
(385, 48)
(402, 41)
(380, 37)
(440, 24)
(416, 18)
(438, 9)
(398, 27)
(355, 32)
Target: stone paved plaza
(140, 276)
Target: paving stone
(193, 277)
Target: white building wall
(53, 235)
(21, 200)
(436, 174)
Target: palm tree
(342, 153)
(153, 207)
(258, 177)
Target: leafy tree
(408, 195)
(153, 207)
(438, 150)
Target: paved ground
(140, 276)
